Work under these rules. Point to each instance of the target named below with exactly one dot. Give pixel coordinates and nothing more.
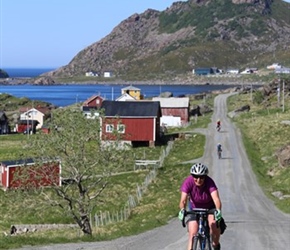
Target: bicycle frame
(202, 240)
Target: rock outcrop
(171, 42)
(3, 74)
(44, 80)
(283, 155)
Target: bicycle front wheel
(196, 243)
(199, 243)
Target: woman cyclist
(202, 192)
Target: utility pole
(251, 92)
(283, 100)
(27, 123)
(278, 93)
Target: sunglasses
(202, 177)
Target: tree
(86, 164)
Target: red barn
(27, 174)
(94, 101)
(175, 110)
(133, 121)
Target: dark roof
(17, 162)
(25, 122)
(28, 161)
(131, 108)
(89, 109)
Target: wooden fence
(107, 217)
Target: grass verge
(264, 133)
(155, 208)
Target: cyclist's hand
(217, 215)
(181, 214)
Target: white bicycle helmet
(199, 169)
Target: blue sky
(49, 33)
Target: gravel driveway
(253, 221)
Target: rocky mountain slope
(196, 33)
(3, 74)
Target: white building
(108, 74)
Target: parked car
(246, 72)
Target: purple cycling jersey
(200, 197)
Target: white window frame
(109, 128)
(121, 128)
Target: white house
(91, 73)
(125, 97)
(33, 114)
(108, 74)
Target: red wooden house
(175, 110)
(27, 174)
(94, 101)
(133, 122)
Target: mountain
(3, 74)
(196, 33)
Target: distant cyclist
(219, 150)
(218, 125)
(201, 192)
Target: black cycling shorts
(193, 217)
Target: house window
(121, 128)
(109, 128)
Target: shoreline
(201, 81)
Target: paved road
(253, 221)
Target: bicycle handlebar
(199, 211)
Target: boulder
(283, 155)
(268, 89)
(205, 109)
(195, 111)
(198, 96)
(44, 80)
(166, 94)
(243, 108)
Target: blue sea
(26, 72)
(64, 95)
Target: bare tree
(86, 165)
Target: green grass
(154, 210)
(264, 134)
(11, 146)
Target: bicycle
(218, 128)
(202, 240)
(219, 154)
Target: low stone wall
(19, 229)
